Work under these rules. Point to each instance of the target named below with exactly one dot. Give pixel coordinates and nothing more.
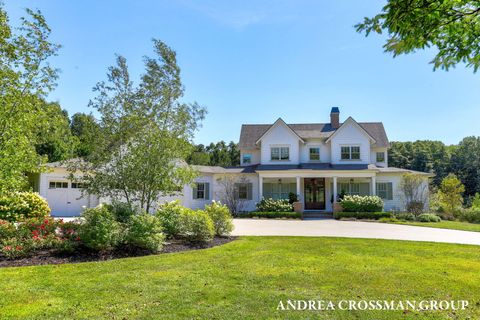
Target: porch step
(317, 215)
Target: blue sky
(255, 61)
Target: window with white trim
(314, 154)
(246, 158)
(243, 191)
(280, 153)
(201, 191)
(350, 152)
(77, 185)
(385, 190)
(380, 156)
(57, 185)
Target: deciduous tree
(452, 27)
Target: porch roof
(315, 166)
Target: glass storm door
(314, 193)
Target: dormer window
(350, 153)
(246, 158)
(380, 156)
(279, 153)
(314, 154)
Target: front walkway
(351, 229)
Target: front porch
(319, 192)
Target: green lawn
(247, 278)
(444, 224)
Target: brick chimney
(335, 118)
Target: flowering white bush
(271, 205)
(362, 203)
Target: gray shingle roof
(250, 133)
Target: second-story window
(380, 156)
(314, 154)
(350, 153)
(247, 158)
(279, 153)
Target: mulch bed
(45, 257)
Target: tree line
(462, 159)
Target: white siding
(255, 156)
(315, 143)
(280, 136)
(350, 135)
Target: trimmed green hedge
(362, 215)
(272, 215)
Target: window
(201, 190)
(57, 185)
(278, 190)
(380, 157)
(385, 190)
(350, 153)
(243, 191)
(280, 153)
(314, 154)
(247, 158)
(353, 188)
(77, 185)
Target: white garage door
(65, 198)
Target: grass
(444, 224)
(247, 278)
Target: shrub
(22, 205)
(197, 226)
(69, 233)
(7, 229)
(407, 216)
(362, 204)
(99, 230)
(271, 205)
(292, 197)
(471, 215)
(42, 231)
(415, 207)
(476, 201)
(221, 217)
(362, 215)
(274, 215)
(144, 231)
(14, 248)
(121, 211)
(428, 217)
(169, 214)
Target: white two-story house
(315, 161)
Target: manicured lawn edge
(444, 224)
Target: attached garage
(64, 196)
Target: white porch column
(298, 187)
(373, 188)
(334, 189)
(260, 188)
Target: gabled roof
(250, 133)
(350, 119)
(279, 120)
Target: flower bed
(113, 231)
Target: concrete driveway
(350, 229)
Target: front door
(314, 193)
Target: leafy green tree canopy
(25, 79)
(450, 26)
(146, 133)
